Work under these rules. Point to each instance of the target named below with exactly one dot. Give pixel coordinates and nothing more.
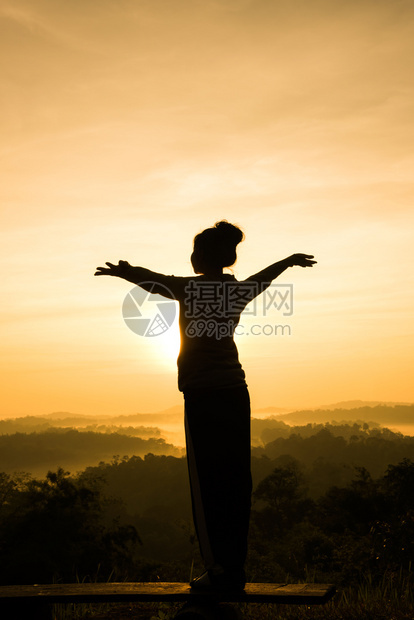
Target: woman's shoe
(208, 582)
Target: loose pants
(217, 424)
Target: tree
(54, 529)
(284, 495)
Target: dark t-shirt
(209, 313)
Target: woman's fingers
(305, 260)
(102, 271)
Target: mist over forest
(343, 436)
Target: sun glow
(169, 345)
(135, 127)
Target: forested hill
(382, 414)
(36, 444)
(72, 449)
(328, 452)
(101, 423)
(30, 424)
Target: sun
(169, 343)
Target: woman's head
(215, 248)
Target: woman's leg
(218, 454)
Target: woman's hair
(215, 248)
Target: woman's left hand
(302, 260)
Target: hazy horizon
(266, 411)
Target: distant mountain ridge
(356, 404)
(66, 418)
(174, 415)
(58, 415)
(384, 414)
(345, 404)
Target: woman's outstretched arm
(141, 276)
(267, 275)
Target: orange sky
(127, 127)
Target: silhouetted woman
(217, 405)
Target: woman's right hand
(118, 270)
